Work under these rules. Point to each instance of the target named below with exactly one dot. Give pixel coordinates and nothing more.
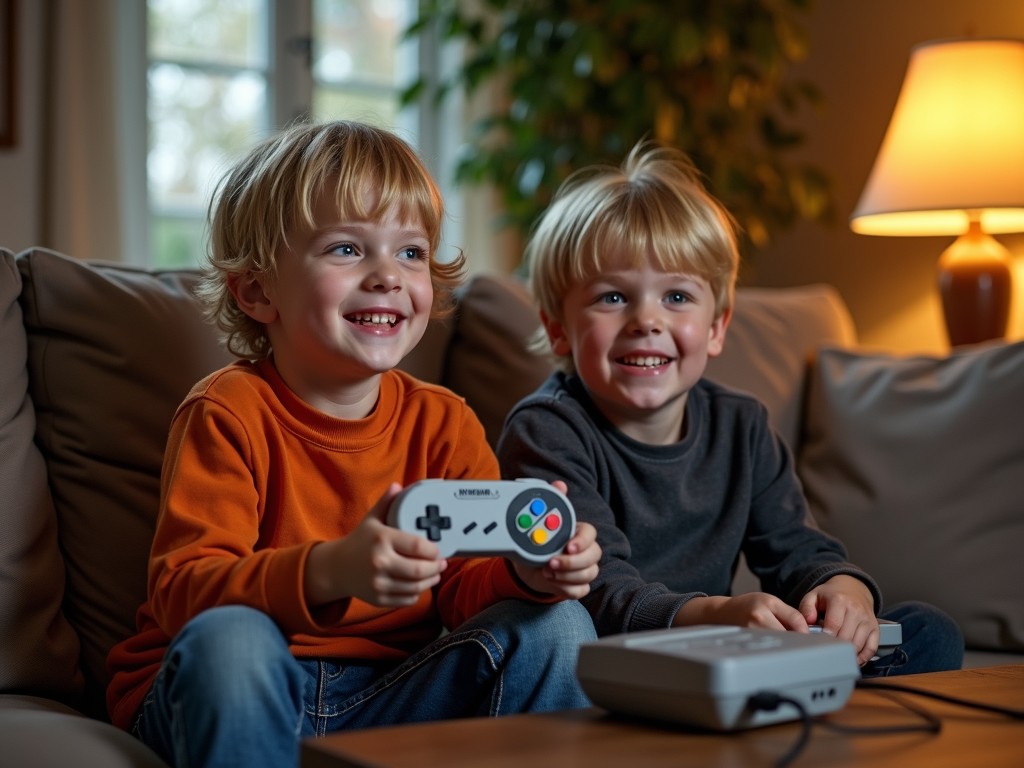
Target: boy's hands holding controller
(570, 572)
(385, 566)
(376, 563)
(844, 607)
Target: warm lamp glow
(952, 163)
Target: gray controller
(527, 520)
(890, 636)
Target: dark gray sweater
(673, 519)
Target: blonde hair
(274, 190)
(653, 209)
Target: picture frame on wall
(8, 117)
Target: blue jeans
(229, 692)
(932, 642)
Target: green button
(524, 522)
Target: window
(223, 74)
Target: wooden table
(592, 738)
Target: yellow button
(539, 536)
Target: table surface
(594, 738)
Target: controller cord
(1013, 714)
(769, 701)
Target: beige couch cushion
(488, 360)
(917, 464)
(112, 352)
(773, 335)
(38, 650)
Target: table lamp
(952, 163)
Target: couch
(916, 462)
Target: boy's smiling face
(349, 300)
(640, 338)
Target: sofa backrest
(112, 350)
(106, 354)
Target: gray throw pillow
(917, 464)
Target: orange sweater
(253, 477)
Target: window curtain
(80, 210)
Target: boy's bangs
(370, 187)
(637, 233)
(368, 175)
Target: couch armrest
(42, 733)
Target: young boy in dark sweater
(633, 269)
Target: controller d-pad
(433, 522)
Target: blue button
(538, 507)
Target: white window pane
(199, 122)
(355, 40)
(230, 32)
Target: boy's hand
(569, 573)
(848, 609)
(375, 563)
(753, 609)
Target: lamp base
(976, 286)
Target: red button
(551, 522)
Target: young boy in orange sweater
(280, 605)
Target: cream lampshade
(952, 163)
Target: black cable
(768, 701)
(1015, 714)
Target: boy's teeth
(645, 362)
(376, 318)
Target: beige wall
(859, 53)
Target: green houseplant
(581, 81)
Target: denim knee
(932, 641)
(538, 647)
(565, 624)
(228, 693)
(231, 649)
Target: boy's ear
(251, 297)
(556, 334)
(716, 334)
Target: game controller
(890, 632)
(527, 520)
(890, 636)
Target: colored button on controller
(538, 522)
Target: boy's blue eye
(612, 297)
(677, 297)
(343, 249)
(412, 253)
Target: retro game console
(704, 676)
